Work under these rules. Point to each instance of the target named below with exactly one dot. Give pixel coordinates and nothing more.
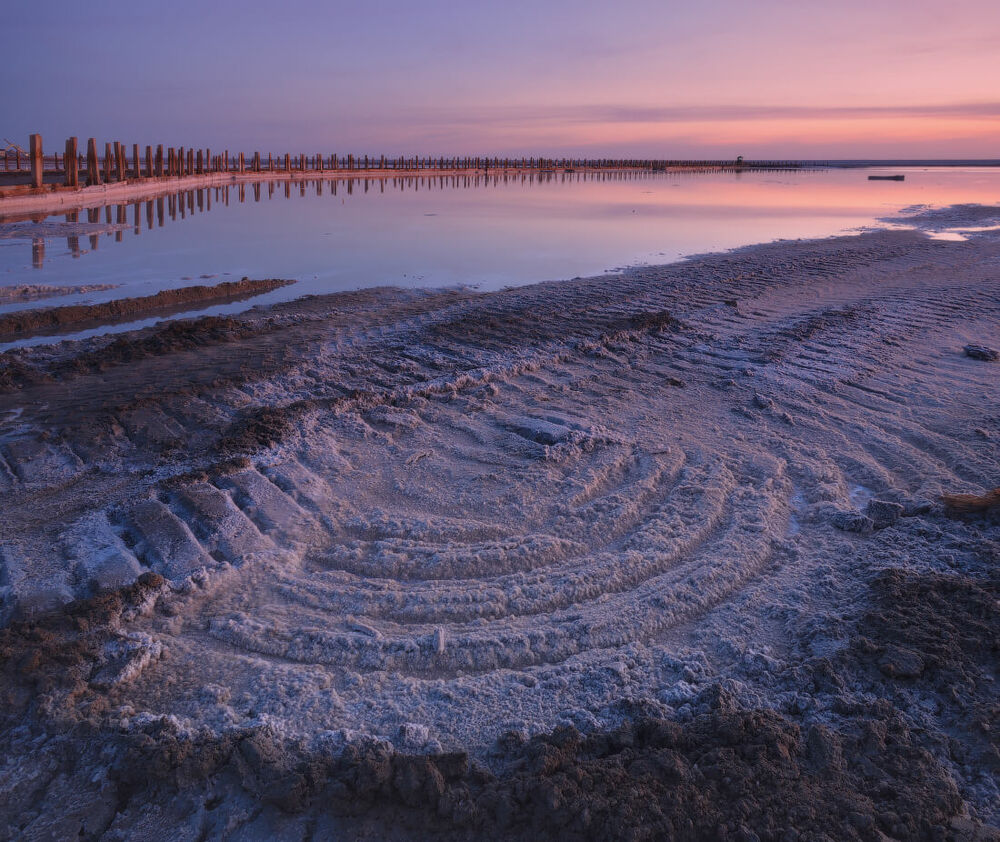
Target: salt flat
(360, 563)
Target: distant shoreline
(21, 202)
(26, 201)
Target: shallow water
(433, 232)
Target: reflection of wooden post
(93, 171)
(72, 172)
(37, 245)
(73, 241)
(35, 150)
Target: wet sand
(650, 555)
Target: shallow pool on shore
(486, 232)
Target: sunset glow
(807, 80)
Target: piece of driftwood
(971, 503)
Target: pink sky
(638, 77)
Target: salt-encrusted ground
(657, 555)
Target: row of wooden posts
(165, 162)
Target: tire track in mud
(505, 504)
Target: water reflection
(433, 230)
(179, 204)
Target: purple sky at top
(856, 78)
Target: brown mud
(25, 323)
(728, 773)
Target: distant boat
(886, 177)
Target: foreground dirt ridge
(21, 323)
(517, 554)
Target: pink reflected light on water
(487, 232)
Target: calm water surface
(431, 232)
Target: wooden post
(241, 164)
(256, 163)
(270, 162)
(208, 159)
(120, 160)
(107, 161)
(72, 172)
(319, 163)
(200, 163)
(190, 162)
(135, 161)
(93, 171)
(35, 148)
(288, 162)
(149, 162)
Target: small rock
(413, 736)
(981, 352)
(883, 513)
(912, 508)
(899, 662)
(852, 521)
(762, 402)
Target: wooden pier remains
(41, 173)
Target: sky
(634, 78)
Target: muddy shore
(22, 323)
(652, 555)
